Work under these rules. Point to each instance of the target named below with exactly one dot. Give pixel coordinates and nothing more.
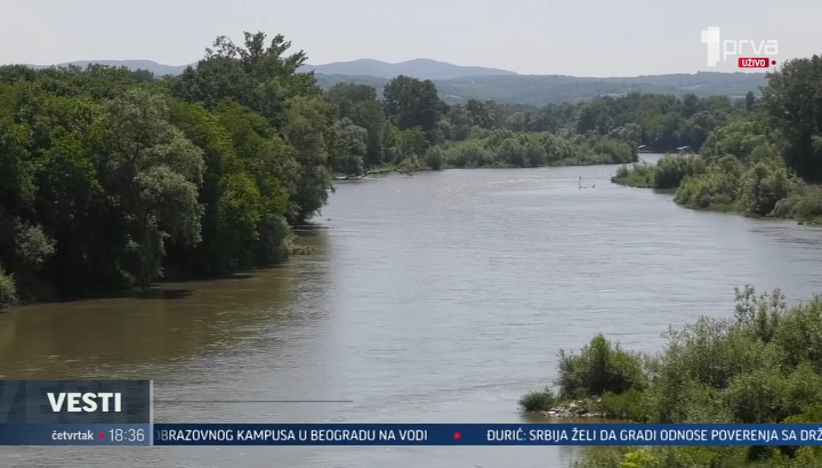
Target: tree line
(767, 162)
(111, 179)
(414, 127)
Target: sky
(580, 38)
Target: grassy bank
(763, 364)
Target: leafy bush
(434, 157)
(639, 175)
(763, 185)
(799, 334)
(619, 152)
(668, 173)
(759, 315)
(672, 170)
(712, 352)
(538, 401)
(602, 457)
(469, 153)
(738, 138)
(717, 187)
(8, 291)
(756, 398)
(763, 365)
(768, 396)
(599, 368)
(633, 405)
(642, 458)
(805, 203)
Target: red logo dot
(101, 435)
(457, 435)
(773, 62)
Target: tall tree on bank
(410, 103)
(264, 79)
(792, 101)
(153, 172)
(359, 104)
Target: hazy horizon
(531, 37)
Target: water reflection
(125, 336)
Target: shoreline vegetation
(762, 188)
(755, 367)
(766, 164)
(763, 365)
(413, 165)
(113, 180)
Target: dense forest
(111, 179)
(762, 364)
(767, 162)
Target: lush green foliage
(599, 368)
(758, 164)
(111, 179)
(792, 102)
(413, 129)
(8, 291)
(538, 401)
(413, 119)
(763, 365)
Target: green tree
(266, 158)
(153, 172)
(792, 102)
(359, 104)
(354, 150)
(309, 131)
(410, 103)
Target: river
(441, 297)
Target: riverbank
(752, 368)
(505, 149)
(414, 165)
(758, 189)
(9, 300)
(547, 404)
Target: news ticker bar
(409, 434)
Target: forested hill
(539, 90)
(502, 86)
(425, 69)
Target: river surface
(441, 297)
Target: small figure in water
(580, 184)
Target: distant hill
(425, 69)
(539, 90)
(458, 84)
